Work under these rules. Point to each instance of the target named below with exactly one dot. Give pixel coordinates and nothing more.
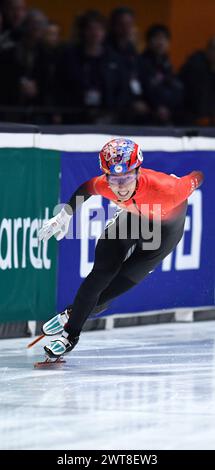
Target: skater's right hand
(57, 226)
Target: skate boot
(53, 326)
(60, 346)
(56, 324)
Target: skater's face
(123, 185)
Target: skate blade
(49, 362)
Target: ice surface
(149, 387)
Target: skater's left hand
(57, 226)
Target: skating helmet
(120, 156)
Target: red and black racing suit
(114, 271)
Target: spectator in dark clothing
(5, 39)
(198, 76)
(14, 13)
(17, 79)
(90, 77)
(51, 37)
(45, 69)
(163, 89)
(123, 30)
(122, 38)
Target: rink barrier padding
(14, 329)
(29, 180)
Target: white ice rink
(150, 387)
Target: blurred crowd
(100, 75)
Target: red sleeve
(84, 192)
(184, 187)
(90, 186)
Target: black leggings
(120, 263)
